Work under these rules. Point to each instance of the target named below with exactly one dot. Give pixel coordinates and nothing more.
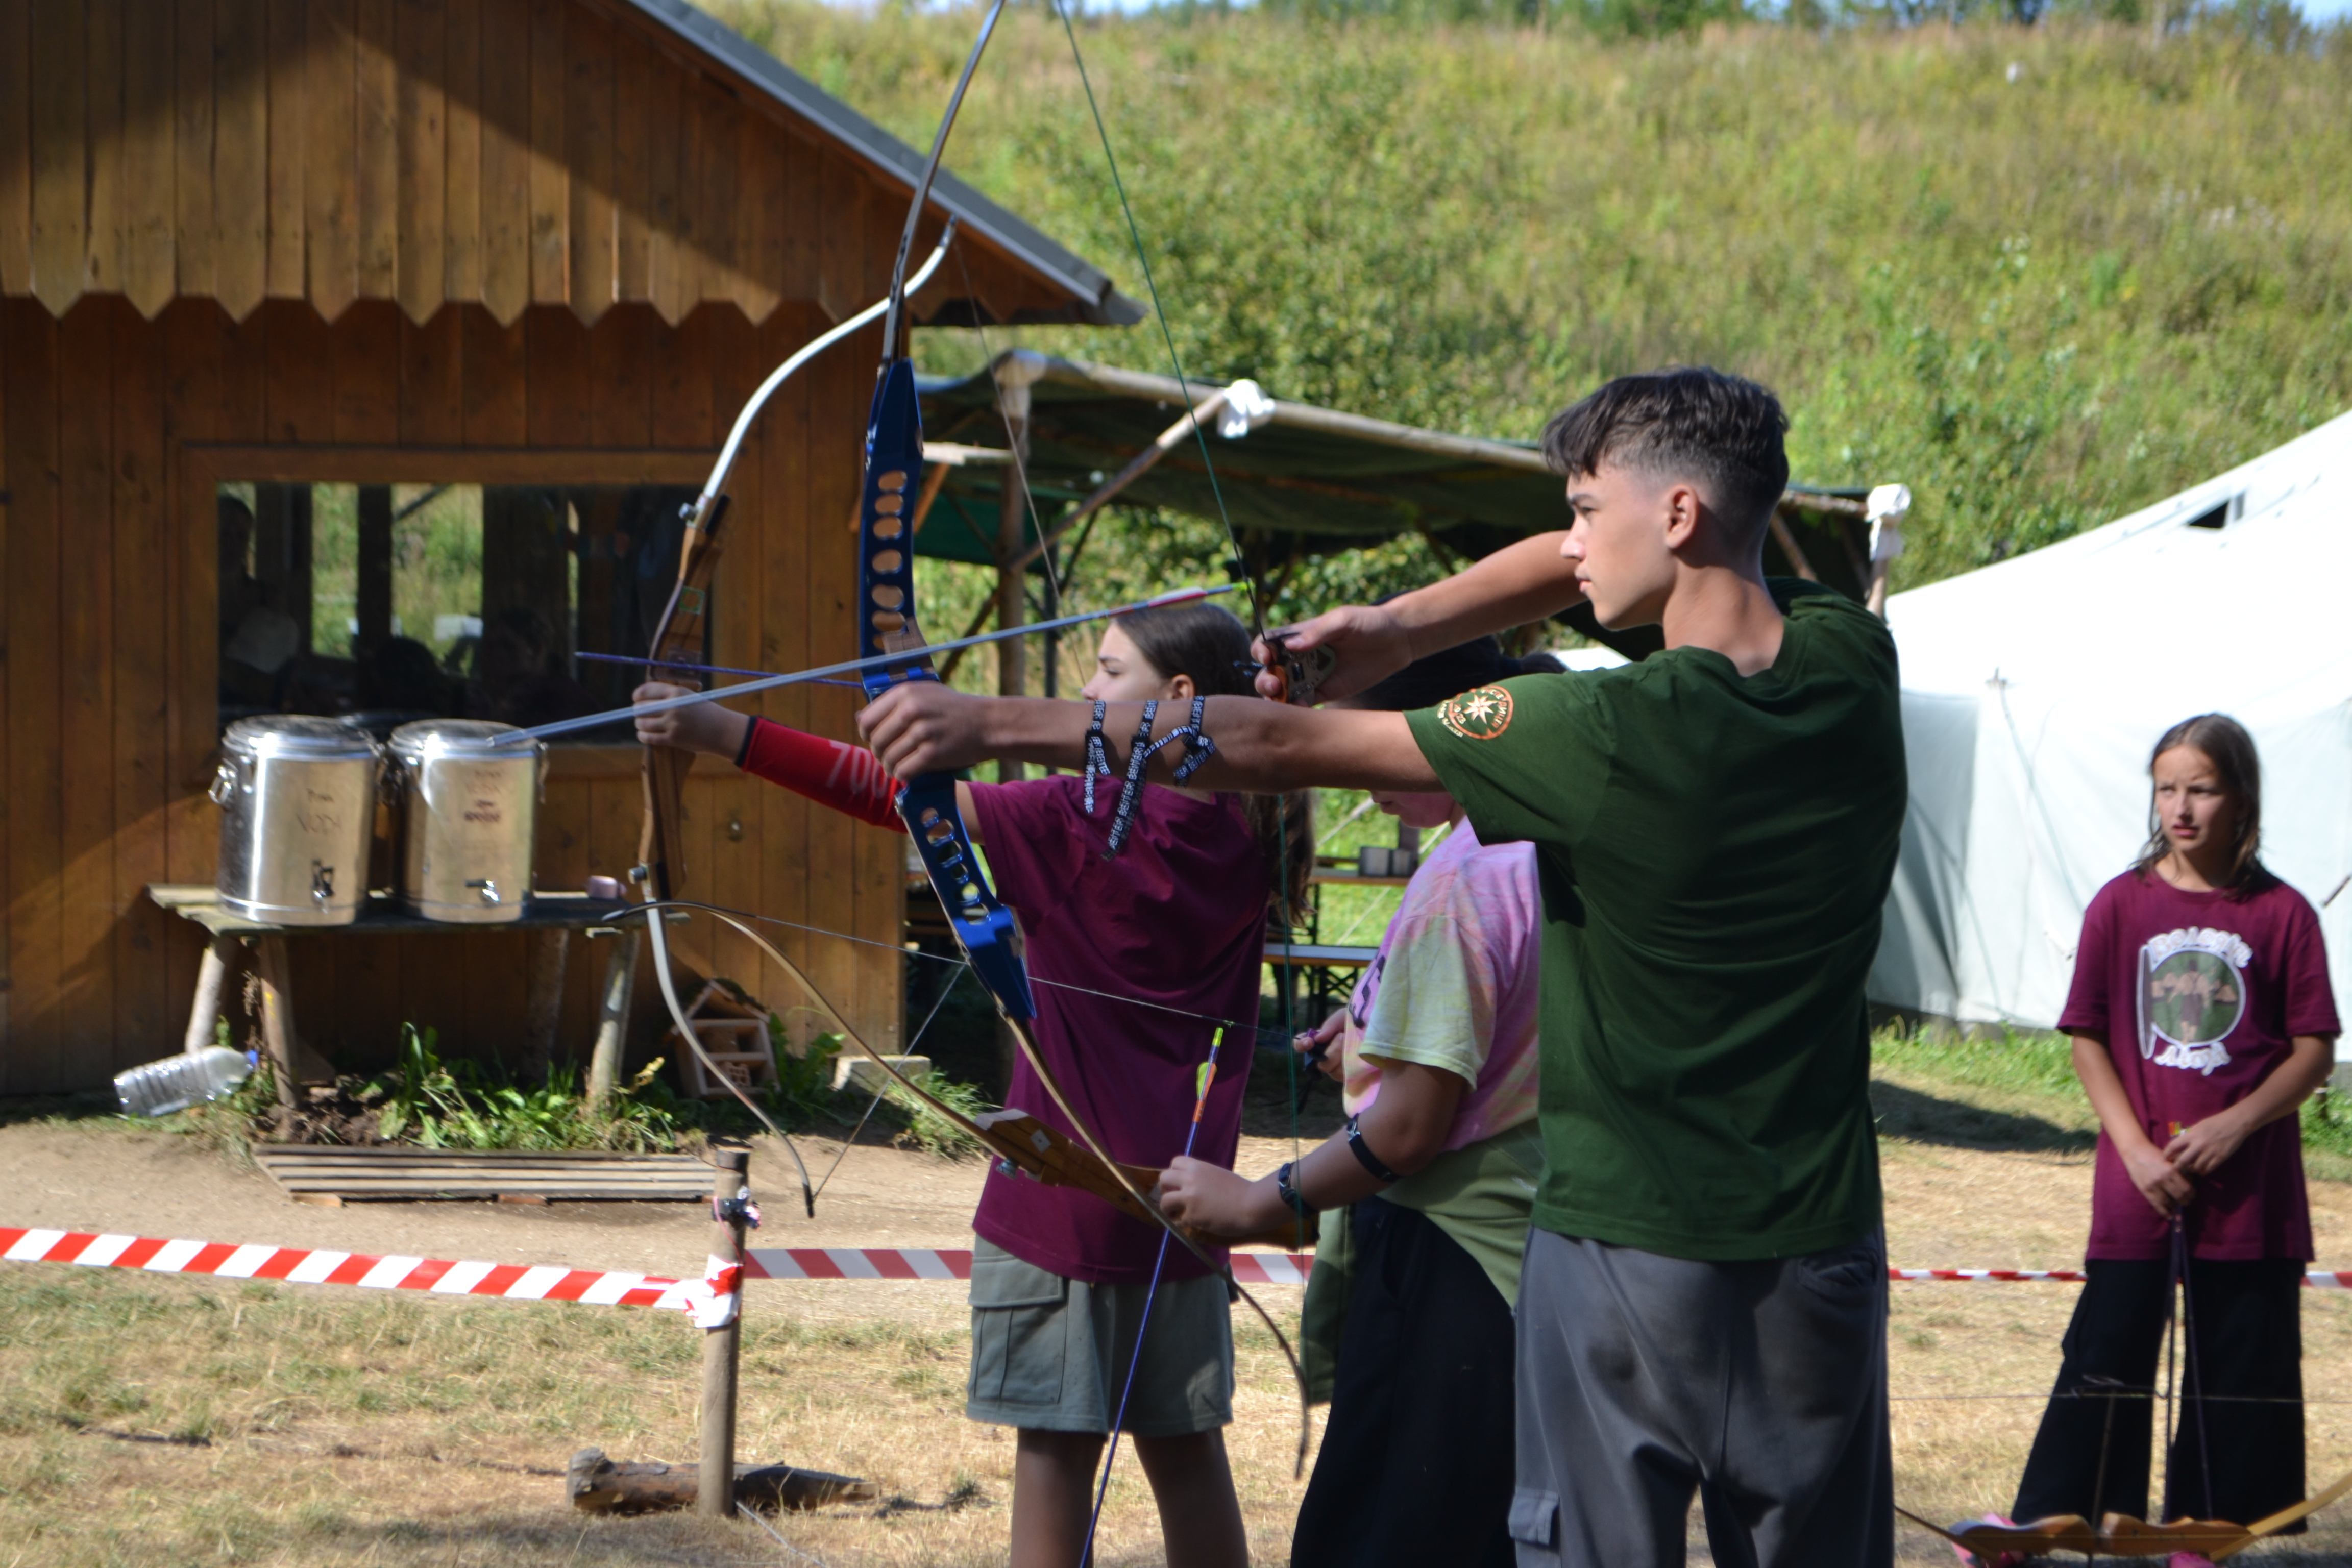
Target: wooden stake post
(723, 1347)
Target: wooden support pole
(543, 1004)
(212, 977)
(615, 992)
(1012, 533)
(1141, 463)
(374, 609)
(723, 1347)
(276, 1015)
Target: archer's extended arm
(1520, 582)
(834, 773)
(1253, 745)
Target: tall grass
(2042, 275)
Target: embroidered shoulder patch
(1478, 715)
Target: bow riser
(887, 624)
(677, 635)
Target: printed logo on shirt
(1479, 715)
(2192, 994)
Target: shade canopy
(1295, 479)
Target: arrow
(847, 667)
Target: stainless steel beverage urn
(469, 809)
(297, 808)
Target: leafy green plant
(924, 1128)
(804, 1094)
(455, 1105)
(803, 1088)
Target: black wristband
(1283, 1189)
(1364, 1155)
(743, 751)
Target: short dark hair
(1687, 422)
(1449, 672)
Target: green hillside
(2041, 274)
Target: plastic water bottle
(175, 1083)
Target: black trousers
(2237, 1451)
(1416, 1463)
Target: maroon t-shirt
(2199, 997)
(1174, 928)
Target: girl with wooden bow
(2202, 1019)
(1061, 1286)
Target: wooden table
(555, 915)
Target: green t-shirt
(1715, 851)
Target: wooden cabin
(298, 263)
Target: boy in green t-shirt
(1703, 1298)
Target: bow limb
(1014, 1136)
(1036, 1059)
(2273, 1523)
(659, 941)
(2119, 1536)
(1031, 1146)
(717, 484)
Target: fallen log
(600, 1485)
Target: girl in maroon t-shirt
(2202, 1018)
(1176, 921)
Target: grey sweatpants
(1643, 1378)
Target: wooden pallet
(330, 1175)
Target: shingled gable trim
(737, 58)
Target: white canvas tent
(2033, 691)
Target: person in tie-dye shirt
(1437, 1168)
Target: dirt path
(863, 1375)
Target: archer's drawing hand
(2204, 1147)
(1217, 1202)
(1366, 644)
(923, 727)
(2158, 1179)
(706, 727)
(1316, 1044)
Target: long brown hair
(2231, 751)
(1206, 643)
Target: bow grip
(983, 926)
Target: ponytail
(1207, 643)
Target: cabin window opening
(383, 604)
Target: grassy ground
(147, 1419)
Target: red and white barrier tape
(2318, 1279)
(711, 1299)
(302, 1265)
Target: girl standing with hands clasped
(1171, 911)
(2202, 1018)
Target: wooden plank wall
(109, 642)
(499, 152)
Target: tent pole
(1162, 446)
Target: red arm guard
(830, 773)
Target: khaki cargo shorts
(1051, 1354)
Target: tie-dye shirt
(1454, 986)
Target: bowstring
(1019, 461)
(1135, 1358)
(875, 1103)
(1232, 543)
